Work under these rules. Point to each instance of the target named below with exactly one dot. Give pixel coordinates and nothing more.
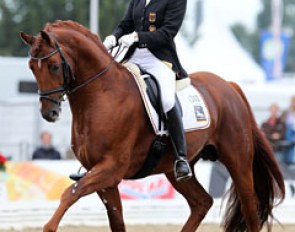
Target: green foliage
(30, 16)
(111, 13)
(289, 26)
(264, 17)
(251, 40)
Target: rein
(67, 76)
(83, 84)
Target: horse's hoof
(48, 228)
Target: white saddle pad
(195, 112)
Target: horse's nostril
(53, 114)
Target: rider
(148, 30)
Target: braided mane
(71, 25)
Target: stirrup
(187, 175)
(77, 176)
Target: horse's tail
(268, 179)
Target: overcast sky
(230, 11)
(244, 11)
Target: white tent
(218, 51)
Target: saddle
(153, 91)
(195, 113)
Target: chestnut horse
(111, 133)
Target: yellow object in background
(28, 181)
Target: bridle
(68, 77)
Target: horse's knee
(67, 194)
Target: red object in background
(156, 187)
(2, 159)
(2, 162)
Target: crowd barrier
(30, 192)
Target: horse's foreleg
(111, 199)
(198, 199)
(101, 176)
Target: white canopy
(218, 51)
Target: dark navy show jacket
(156, 24)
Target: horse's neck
(90, 61)
(106, 91)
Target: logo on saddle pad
(200, 114)
(198, 108)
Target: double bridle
(68, 76)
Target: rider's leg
(182, 169)
(166, 78)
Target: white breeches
(164, 75)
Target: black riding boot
(182, 169)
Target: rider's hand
(128, 40)
(110, 42)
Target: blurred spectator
(70, 154)
(274, 129)
(290, 131)
(46, 150)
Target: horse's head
(51, 70)
(60, 50)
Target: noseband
(67, 76)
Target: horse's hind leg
(198, 199)
(111, 199)
(243, 213)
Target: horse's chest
(80, 146)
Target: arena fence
(30, 192)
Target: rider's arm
(126, 26)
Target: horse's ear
(27, 39)
(47, 38)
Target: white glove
(110, 42)
(128, 40)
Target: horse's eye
(54, 68)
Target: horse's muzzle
(51, 115)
